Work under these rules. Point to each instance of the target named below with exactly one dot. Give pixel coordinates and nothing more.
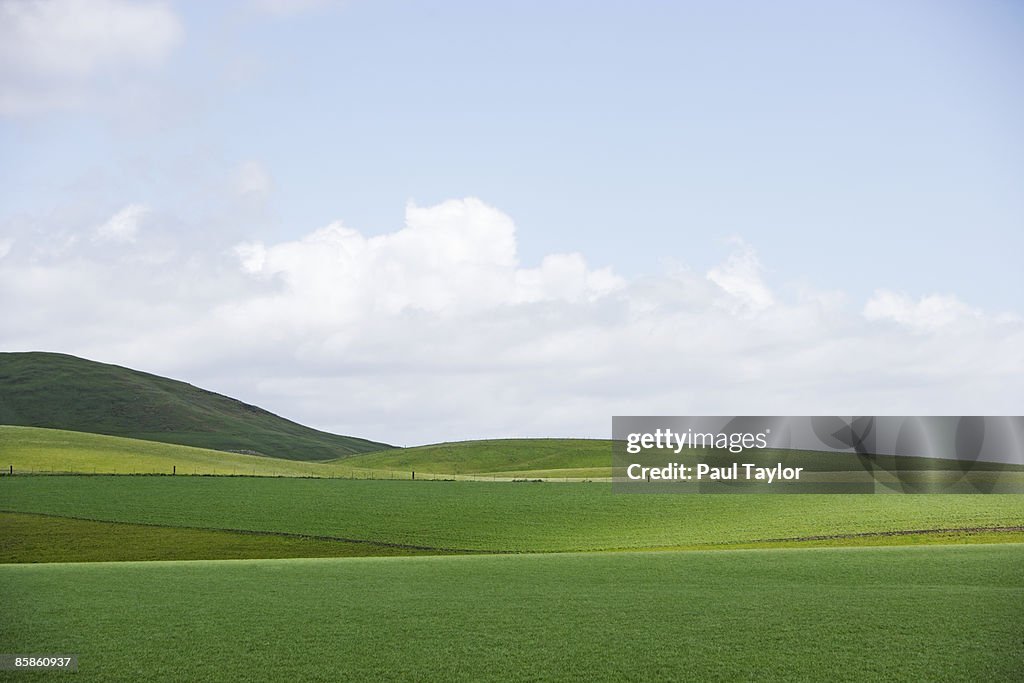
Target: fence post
(174, 469)
(414, 475)
(12, 470)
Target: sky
(427, 221)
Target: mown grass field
(897, 614)
(495, 517)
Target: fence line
(352, 474)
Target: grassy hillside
(37, 450)
(499, 517)
(64, 392)
(894, 614)
(592, 458)
(511, 457)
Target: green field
(908, 614)
(58, 391)
(496, 517)
(505, 457)
(42, 538)
(34, 450)
(182, 577)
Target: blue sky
(865, 154)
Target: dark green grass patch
(495, 517)
(41, 538)
(38, 538)
(896, 614)
(64, 392)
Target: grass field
(902, 614)
(41, 538)
(592, 458)
(33, 450)
(508, 457)
(498, 517)
(96, 566)
(58, 391)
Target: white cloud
(437, 331)
(52, 51)
(453, 258)
(740, 276)
(123, 226)
(5, 247)
(928, 313)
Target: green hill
(42, 451)
(508, 457)
(35, 450)
(592, 458)
(58, 391)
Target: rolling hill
(59, 391)
(508, 457)
(35, 450)
(38, 450)
(592, 458)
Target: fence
(351, 474)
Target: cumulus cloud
(740, 276)
(929, 313)
(454, 258)
(123, 226)
(437, 331)
(53, 51)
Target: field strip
(254, 532)
(901, 532)
(904, 537)
(923, 613)
(935, 536)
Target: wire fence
(350, 474)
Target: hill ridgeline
(59, 391)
